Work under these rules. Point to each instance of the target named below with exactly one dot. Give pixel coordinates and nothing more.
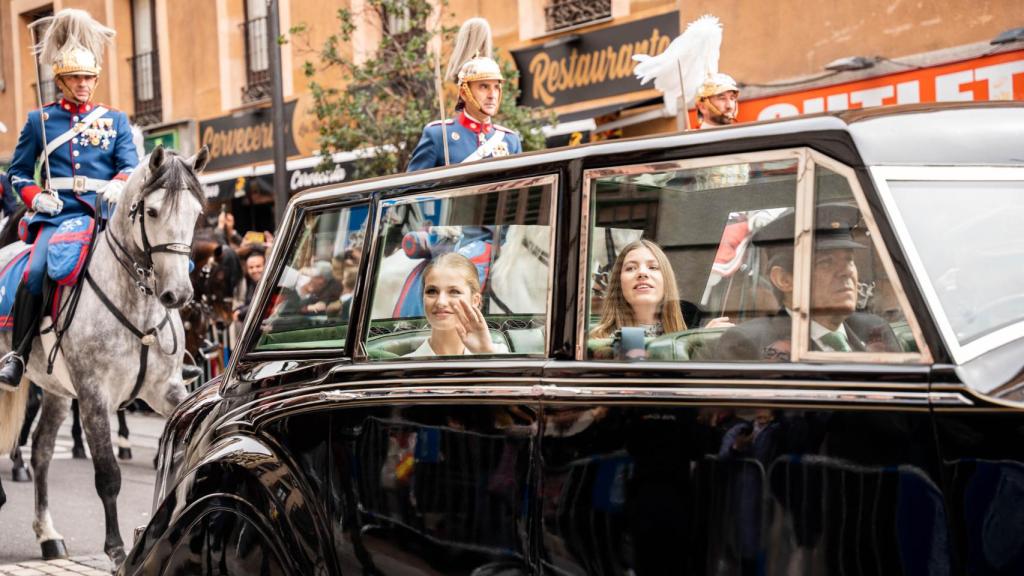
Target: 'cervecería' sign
(996, 77)
(596, 65)
(245, 138)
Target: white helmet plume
(695, 53)
(72, 30)
(474, 39)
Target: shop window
(564, 14)
(146, 64)
(47, 86)
(257, 56)
(464, 273)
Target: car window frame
(293, 225)
(807, 159)
(881, 176)
(359, 355)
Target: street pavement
(76, 509)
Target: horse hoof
(78, 452)
(124, 453)
(21, 474)
(54, 549)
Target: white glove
(112, 191)
(47, 203)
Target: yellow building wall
(203, 55)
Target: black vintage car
(792, 347)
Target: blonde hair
(459, 263)
(616, 311)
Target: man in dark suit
(836, 325)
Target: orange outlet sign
(997, 77)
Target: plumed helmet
(479, 68)
(715, 84)
(73, 42)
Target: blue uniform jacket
(89, 146)
(465, 135)
(100, 150)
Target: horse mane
(173, 175)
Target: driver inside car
(836, 325)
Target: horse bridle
(142, 272)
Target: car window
(853, 302)
(464, 272)
(310, 303)
(673, 265)
(967, 236)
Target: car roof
(960, 133)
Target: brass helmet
(715, 84)
(475, 70)
(76, 60)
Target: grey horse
(126, 339)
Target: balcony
(257, 61)
(148, 97)
(564, 14)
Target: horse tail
(12, 414)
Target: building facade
(195, 72)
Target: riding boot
(27, 312)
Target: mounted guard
(87, 155)
(471, 135)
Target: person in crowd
(835, 323)
(345, 268)
(452, 302)
(642, 292)
(718, 101)
(89, 152)
(471, 135)
(254, 264)
(321, 290)
(226, 233)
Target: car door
(706, 427)
(432, 454)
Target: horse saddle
(69, 250)
(10, 277)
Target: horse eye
(151, 212)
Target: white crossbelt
(60, 140)
(487, 148)
(78, 184)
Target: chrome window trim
(923, 356)
(807, 160)
(881, 175)
(375, 260)
(843, 395)
(274, 262)
(583, 291)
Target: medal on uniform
(500, 149)
(455, 136)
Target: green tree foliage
(385, 100)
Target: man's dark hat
(833, 228)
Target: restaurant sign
(245, 138)
(593, 65)
(995, 77)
